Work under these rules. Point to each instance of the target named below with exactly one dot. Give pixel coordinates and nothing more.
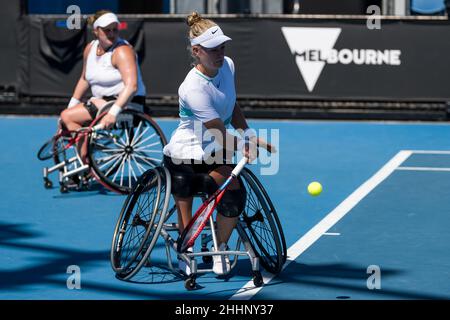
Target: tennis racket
(201, 216)
(63, 140)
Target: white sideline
(249, 290)
(423, 169)
(430, 152)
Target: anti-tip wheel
(48, 184)
(206, 259)
(257, 279)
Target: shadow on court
(93, 190)
(49, 269)
(12, 236)
(345, 277)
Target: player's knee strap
(232, 203)
(182, 184)
(186, 184)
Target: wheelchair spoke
(136, 131)
(113, 137)
(144, 149)
(107, 159)
(144, 140)
(120, 143)
(131, 237)
(127, 138)
(263, 234)
(148, 158)
(130, 172)
(117, 158)
(110, 139)
(124, 161)
(120, 167)
(113, 150)
(138, 165)
(140, 214)
(102, 148)
(252, 201)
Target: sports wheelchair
(115, 157)
(144, 232)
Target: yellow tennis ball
(314, 188)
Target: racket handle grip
(97, 127)
(241, 164)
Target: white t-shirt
(103, 77)
(202, 99)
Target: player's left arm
(124, 60)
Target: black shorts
(190, 177)
(91, 108)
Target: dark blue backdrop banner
(275, 58)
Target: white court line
(423, 169)
(249, 290)
(429, 151)
(331, 234)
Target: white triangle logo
(301, 40)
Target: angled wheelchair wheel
(120, 155)
(51, 148)
(262, 225)
(70, 165)
(140, 223)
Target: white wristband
(240, 144)
(73, 102)
(249, 133)
(115, 110)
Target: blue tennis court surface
(385, 205)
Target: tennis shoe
(221, 262)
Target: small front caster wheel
(189, 283)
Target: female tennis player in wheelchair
(111, 71)
(197, 160)
(207, 102)
(134, 141)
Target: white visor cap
(211, 38)
(105, 20)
